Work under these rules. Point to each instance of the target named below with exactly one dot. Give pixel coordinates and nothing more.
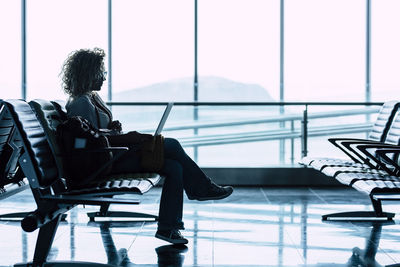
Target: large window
(325, 50)
(54, 29)
(10, 47)
(238, 50)
(153, 44)
(385, 53)
(244, 48)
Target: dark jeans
(181, 173)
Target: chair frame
(11, 176)
(59, 113)
(48, 187)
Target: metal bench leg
(376, 215)
(105, 213)
(358, 216)
(45, 241)
(377, 205)
(43, 244)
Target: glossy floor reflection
(254, 227)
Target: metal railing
(281, 134)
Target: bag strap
(97, 116)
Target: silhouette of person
(83, 74)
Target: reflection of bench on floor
(49, 190)
(367, 256)
(371, 167)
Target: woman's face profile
(98, 83)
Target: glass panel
(325, 50)
(385, 52)
(66, 26)
(10, 45)
(222, 136)
(252, 135)
(238, 50)
(343, 121)
(153, 50)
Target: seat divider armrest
(365, 149)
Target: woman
(83, 74)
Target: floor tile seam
(386, 253)
(351, 224)
(136, 236)
(298, 248)
(265, 195)
(317, 195)
(285, 230)
(60, 233)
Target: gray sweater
(90, 108)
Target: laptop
(163, 118)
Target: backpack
(78, 140)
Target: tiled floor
(254, 227)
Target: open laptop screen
(163, 118)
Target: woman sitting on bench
(83, 74)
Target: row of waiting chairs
(10, 148)
(12, 179)
(39, 160)
(371, 167)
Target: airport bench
(48, 186)
(371, 168)
(12, 180)
(50, 114)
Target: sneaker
(172, 236)
(214, 192)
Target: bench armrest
(344, 144)
(383, 152)
(352, 148)
(381, 158)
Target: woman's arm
(132, 138)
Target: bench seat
(333, 171)
(350, 178)
(377, 186)
(320, 164)
(137, 183)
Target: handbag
(84, 152)
(152, 154)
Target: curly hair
(81, 70)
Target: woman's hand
(115, 126)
